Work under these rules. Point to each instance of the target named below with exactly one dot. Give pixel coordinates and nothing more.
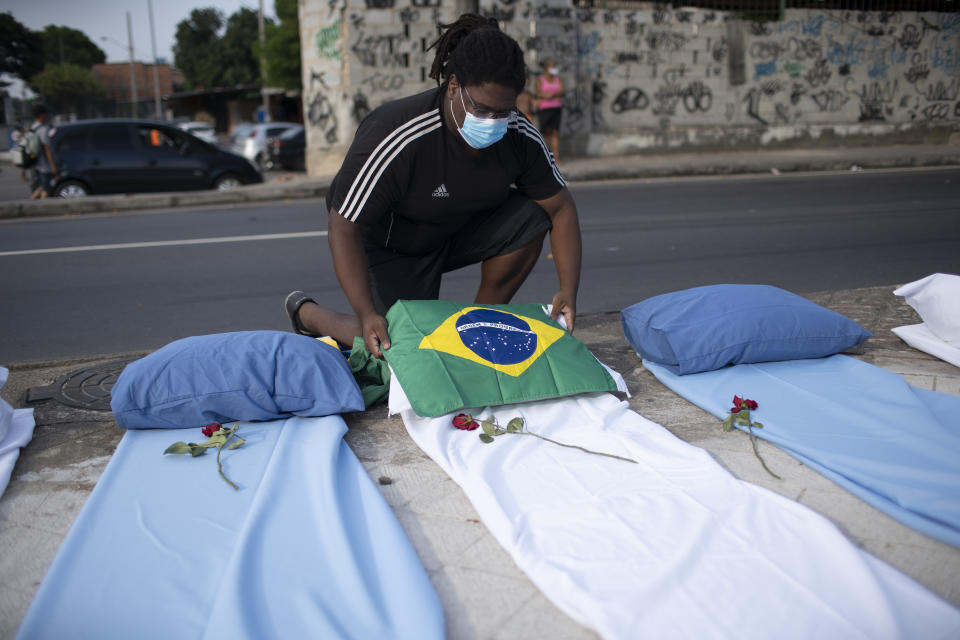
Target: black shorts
(402, 276)
(550, 119)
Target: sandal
(292, 305)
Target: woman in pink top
(550, 98)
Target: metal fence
(774, 9)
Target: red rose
(735, 410)
(464, 421)
(210, 429)
(737, 401)
(751, 404)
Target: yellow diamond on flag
(500, 340)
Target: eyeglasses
(487, 114)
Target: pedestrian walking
(45, 170)
(549, 95)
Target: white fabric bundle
(16, 430)
(673, 546)
(936, 299)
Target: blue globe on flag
(496, 336)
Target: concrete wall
(652, 77)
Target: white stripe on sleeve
(366, 179)
(524, 127)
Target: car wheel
(71, 189)
(260, 161)
(226, 182)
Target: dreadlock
(475, 50)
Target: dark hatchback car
(288, 150)
(130, 156)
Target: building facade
(653, 76)
(118, 81)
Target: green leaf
(178, 447)
(197, 450)
(486, 438)
(489, 427)
(515, 425)
(499, 431)
(235, 443)
(216, 439)
(728, 423)
(758, 425)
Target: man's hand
(375, 335)
(566, 246)
(565, 304)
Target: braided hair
(475, 50)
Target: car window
(291, 133)
(275, 131)
(241, 131)
(72, 139)
(111, 137)
(156, 139)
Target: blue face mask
(480, 133)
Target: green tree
(238, 40)
(67, 87)
(282, 50)
(64, 45)
(198, 51)
(21, 49)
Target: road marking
(167, 243)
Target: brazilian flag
(450, 355)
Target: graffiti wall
(652, 76)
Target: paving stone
(486, 600)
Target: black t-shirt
(409, 182)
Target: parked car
(239, 133)
(288, 150)
(203, 130)
(254, 146)
(129, 156)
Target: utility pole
(156, 74)
(263, 65)
(133, 73)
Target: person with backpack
(36, 154)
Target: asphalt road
(102, 284)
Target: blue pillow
(248, 375)
(707, 328)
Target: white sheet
(16, 431)
(920, 337)
(936, 299)
(306, 548)
(671, 547)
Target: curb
(294, 190)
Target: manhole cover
(87, 388)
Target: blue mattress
(893, 445)
(307, 548)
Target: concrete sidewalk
(483, 592)
(643, 165)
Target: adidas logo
(441, 192)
